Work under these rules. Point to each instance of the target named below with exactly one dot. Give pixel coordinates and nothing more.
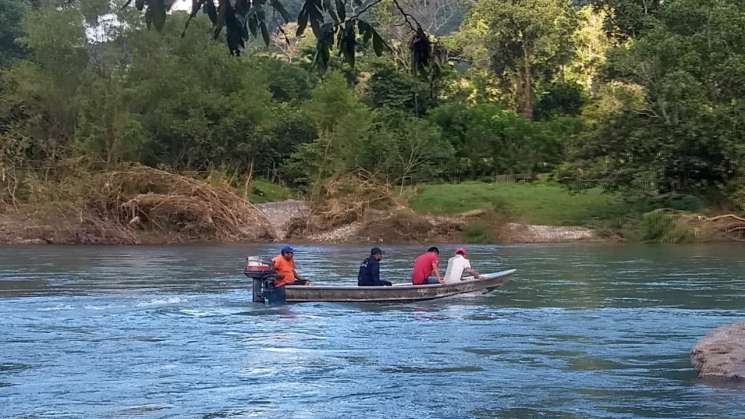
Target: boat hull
(396, 293)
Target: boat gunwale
(401, 287)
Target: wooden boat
(396, 293)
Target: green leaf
(323, 45)
(196, 5)
(210, 10)
(265, 33)
(348, 43)
(242, 7)
(379, 44)
(302, 22)
(277, 5)
(341, 10)
(221, 12)
(315, 12)
(365, 29)
(421, 51)
(253, 25)
(157, 11)
(330, 10)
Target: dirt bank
(402, 225)
(287, 220)
(138, 205)
(533, 233)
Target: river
(579, 331)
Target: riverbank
(147, 206)
(402, 225)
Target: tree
(198, 106)
(42, 89)
(342, 123)
(685, 133)
(106, 129)
(489, 141)
(523, 42)
(405, 148)
(591, 44)
(387, 87)
(627, 19)
(11, 16)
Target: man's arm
(297, 276)
(472, 272)
(376, 273)
(437, 273)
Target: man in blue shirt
(369, 275)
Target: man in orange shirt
(284, 266)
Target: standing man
(369, 275)
(457, 265)
(284, 266)
(424, 266)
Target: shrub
(665, 227)
(477, 231)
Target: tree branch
(364, 9)
(407, 16)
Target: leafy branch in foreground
(330, 21)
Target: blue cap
(287, 249)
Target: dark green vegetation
(637, 105)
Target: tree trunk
(525, 89)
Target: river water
(579, 331)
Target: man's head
(376, 253)
(434, 250)
(461, 251)
(287, 252)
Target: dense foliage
(640, 96)
(674, 121)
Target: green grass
(264, 191)
(534, 203)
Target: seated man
(457, 265)
(284, 266)
(424, 266)
(369, 275)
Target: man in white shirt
(457, 265)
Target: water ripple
(581, 331)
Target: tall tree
(626, 19)
(686, 132)
(11, 14)
(524, 42)
(43, 88)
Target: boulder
(720, 355)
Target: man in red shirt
(424, 266)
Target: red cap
(461, 250)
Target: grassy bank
(532, 203)
(263, 191)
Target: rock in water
(720, 355)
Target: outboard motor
(263, 275)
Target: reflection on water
(580, 331)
